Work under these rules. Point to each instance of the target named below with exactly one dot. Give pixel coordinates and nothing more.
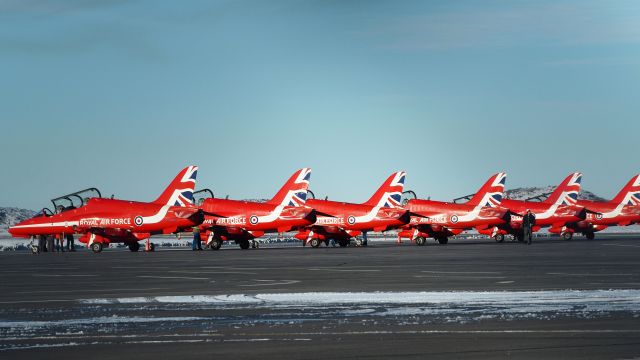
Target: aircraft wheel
(443, 240)
(358, 242)
(244, 244)
(499, 238)
(314, 243)
(215, 244)
(520, 237)
(254, 244)
(96, 247)
(590, 236)
(420, 241)
(343, 243)
(567, 236)
(133, 247)
(152, 247)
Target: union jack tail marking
(567, 192)
(389, 195)
(490, 194)
(180, 191)
(294, 191)
(630, 193)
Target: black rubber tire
(152, 247)
(314, 242)
(134, 247)
(215, 244)
(499, 238)
(567, 236)
(443, 240)
(343, 243)
(520, 237)
(96, 247)
(244, 244)
(590, 236)
(421, 241)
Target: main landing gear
(421, 241)
(215, 244)
(567, 236)
(96, 247)
(442, 240)
(499, 238)
(590, 236)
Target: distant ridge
(529, 192)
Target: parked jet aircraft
(558, 210)
(623, 210)
(440, 220)
(343, 221)
(104, 221)
(243, 221)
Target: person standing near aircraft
(528, 221)
(60, 245)
(70, 244)
(50, 243)
(196, 244)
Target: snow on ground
(559, 300)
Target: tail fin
(490, 194)
(294, 191)
(567, 192)
(390, 193)
(180, 191)
(630, 193)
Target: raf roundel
(138, 220)
(598, 216)
(454, 219)
(253, 220)
(351, 220)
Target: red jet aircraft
(342, 221)
(623, 210)
(559, 209)
(104, 221)
(243, 221)
(440, 220)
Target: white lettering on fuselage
(438, 219)
(238, 220)
(105, 221)
(325, 220)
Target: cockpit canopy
(74, 200)
(200, 195)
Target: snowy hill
(10, 216)
(529, 192)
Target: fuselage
(255, 216)
(111, 216)
(357, 217)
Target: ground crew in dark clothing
(528, 221)
(70, 245)
(50, 243)
(42, 246)
(197, 244)
(60, 246)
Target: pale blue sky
(122, 94)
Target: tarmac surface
(470, 298)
